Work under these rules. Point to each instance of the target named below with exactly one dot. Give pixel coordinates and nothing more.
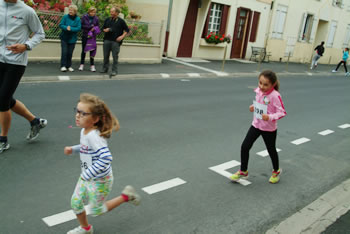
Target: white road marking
(264, 153)
(163, 186)
(185, 80)
(300, 141)
(165, 75)
(344, 126)
(221, 170)
(63, 78)
(198, 67)
(326, 132)
(62, 217)
(193, 74)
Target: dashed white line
(165, 75)
(300, 141)
(64, 78)
(193, 74)
(221, 170)
(326, 132)
(264, 153)
(344, 126)
(163, 186)
(185, 80)
(62, 217)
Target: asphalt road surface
(178, 129)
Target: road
(178, 128)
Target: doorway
(241, 33)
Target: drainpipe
(269, 24)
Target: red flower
(216, 37)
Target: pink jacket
(275, 109)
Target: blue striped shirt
(95, 157)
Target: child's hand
(68, 150)
(265, 117)
(251, 108)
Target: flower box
(204, 43)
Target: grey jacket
(17, 21)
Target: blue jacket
(345, 55)
(75, 26)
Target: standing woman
(89, 24)
(70, 25)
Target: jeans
(108, 47)
(82, 57)
(315, 59)
(66, 53)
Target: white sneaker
(133, 197)
(347, 74)
(80, 230)
(70, 69)
(92, 68)
(311, 68)
(63, 69)
(81, 67)
(334, 71)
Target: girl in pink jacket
(268, 108)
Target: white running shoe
(81, 67)
(35, 129)
(92, 68)
(70, 69)
(133, 197)
(4, 146)
(80, 230)
(63, 69)
(334, 71)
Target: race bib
(259, 109)
(86, 161)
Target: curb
(157, 76)
(318, 215)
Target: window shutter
(313, 30)
(206, 25)
(255, 25)
(224, 17)
(331, 34)
(303, 21)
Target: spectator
(70, 25)
(115, 30)
(90, 26)
(18, 21)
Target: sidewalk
(172, 68)
(321, 216)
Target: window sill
(204, 43)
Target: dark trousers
(270, 142)
(10, 75)
(108, 47)
(344, 62)
(83, 54)
(66, 54)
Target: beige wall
(151, 10)
(50, 50)
(303, 51)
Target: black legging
(344, 62)
(270, 142)
(10, 75)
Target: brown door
(241, 32)
(187, 36)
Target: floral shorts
(94, 193)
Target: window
(255, 25)
(347, 37)
(216, 19)
(280, 19)
(308, 28)
(331, 33)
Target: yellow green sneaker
(275, 178)
(239, 175)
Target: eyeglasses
(81, 113)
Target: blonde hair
(107, 121)
(92, 9)
(74, 7)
